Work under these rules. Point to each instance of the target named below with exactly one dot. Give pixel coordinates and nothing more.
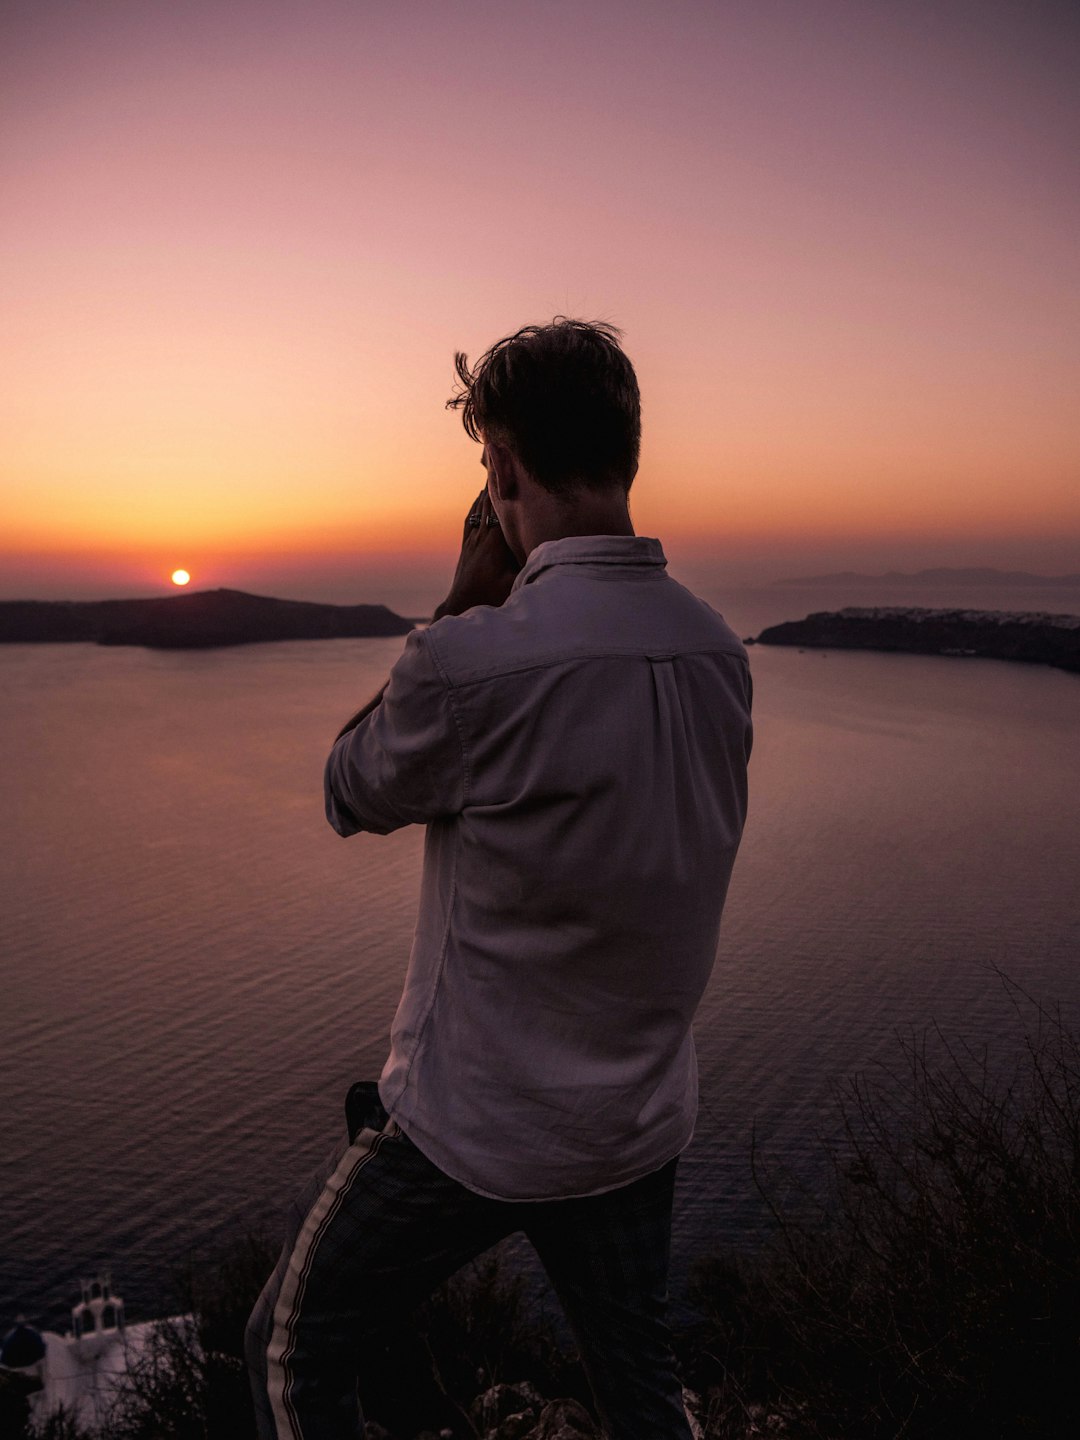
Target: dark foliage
(60, 1425)
(478, 1330)
(939, 1292)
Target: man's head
(563, 398)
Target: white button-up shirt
(579, 758)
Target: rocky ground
(520, 1412)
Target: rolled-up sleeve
(404, 764)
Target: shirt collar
(629, 551)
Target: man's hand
(486, 566)
(485, 572)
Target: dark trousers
(381, 1227)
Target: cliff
(996, 634)
(197, 620)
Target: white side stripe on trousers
(290, 1297)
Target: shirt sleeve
(404, 763)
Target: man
(574, 729)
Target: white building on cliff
(82, 1369)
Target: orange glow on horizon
(231, 326)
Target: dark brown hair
(563, 397)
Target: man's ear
(503, 477)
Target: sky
(240, 244)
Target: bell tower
(98, 1311)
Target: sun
(180, 577)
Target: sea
(195, 967)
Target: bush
(190, 1381)
(164, 1394)
(938, 1292)
(479, 1329)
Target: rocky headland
(940, 576)
(193, 621)
(1032, 637)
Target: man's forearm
(361, 714)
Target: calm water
(196, 967)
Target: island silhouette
(195, 620)
(966, 575)
(1029, 636)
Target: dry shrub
(938, 1292)
(480, 1329)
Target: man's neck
(597, 512)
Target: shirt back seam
(630, 653)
